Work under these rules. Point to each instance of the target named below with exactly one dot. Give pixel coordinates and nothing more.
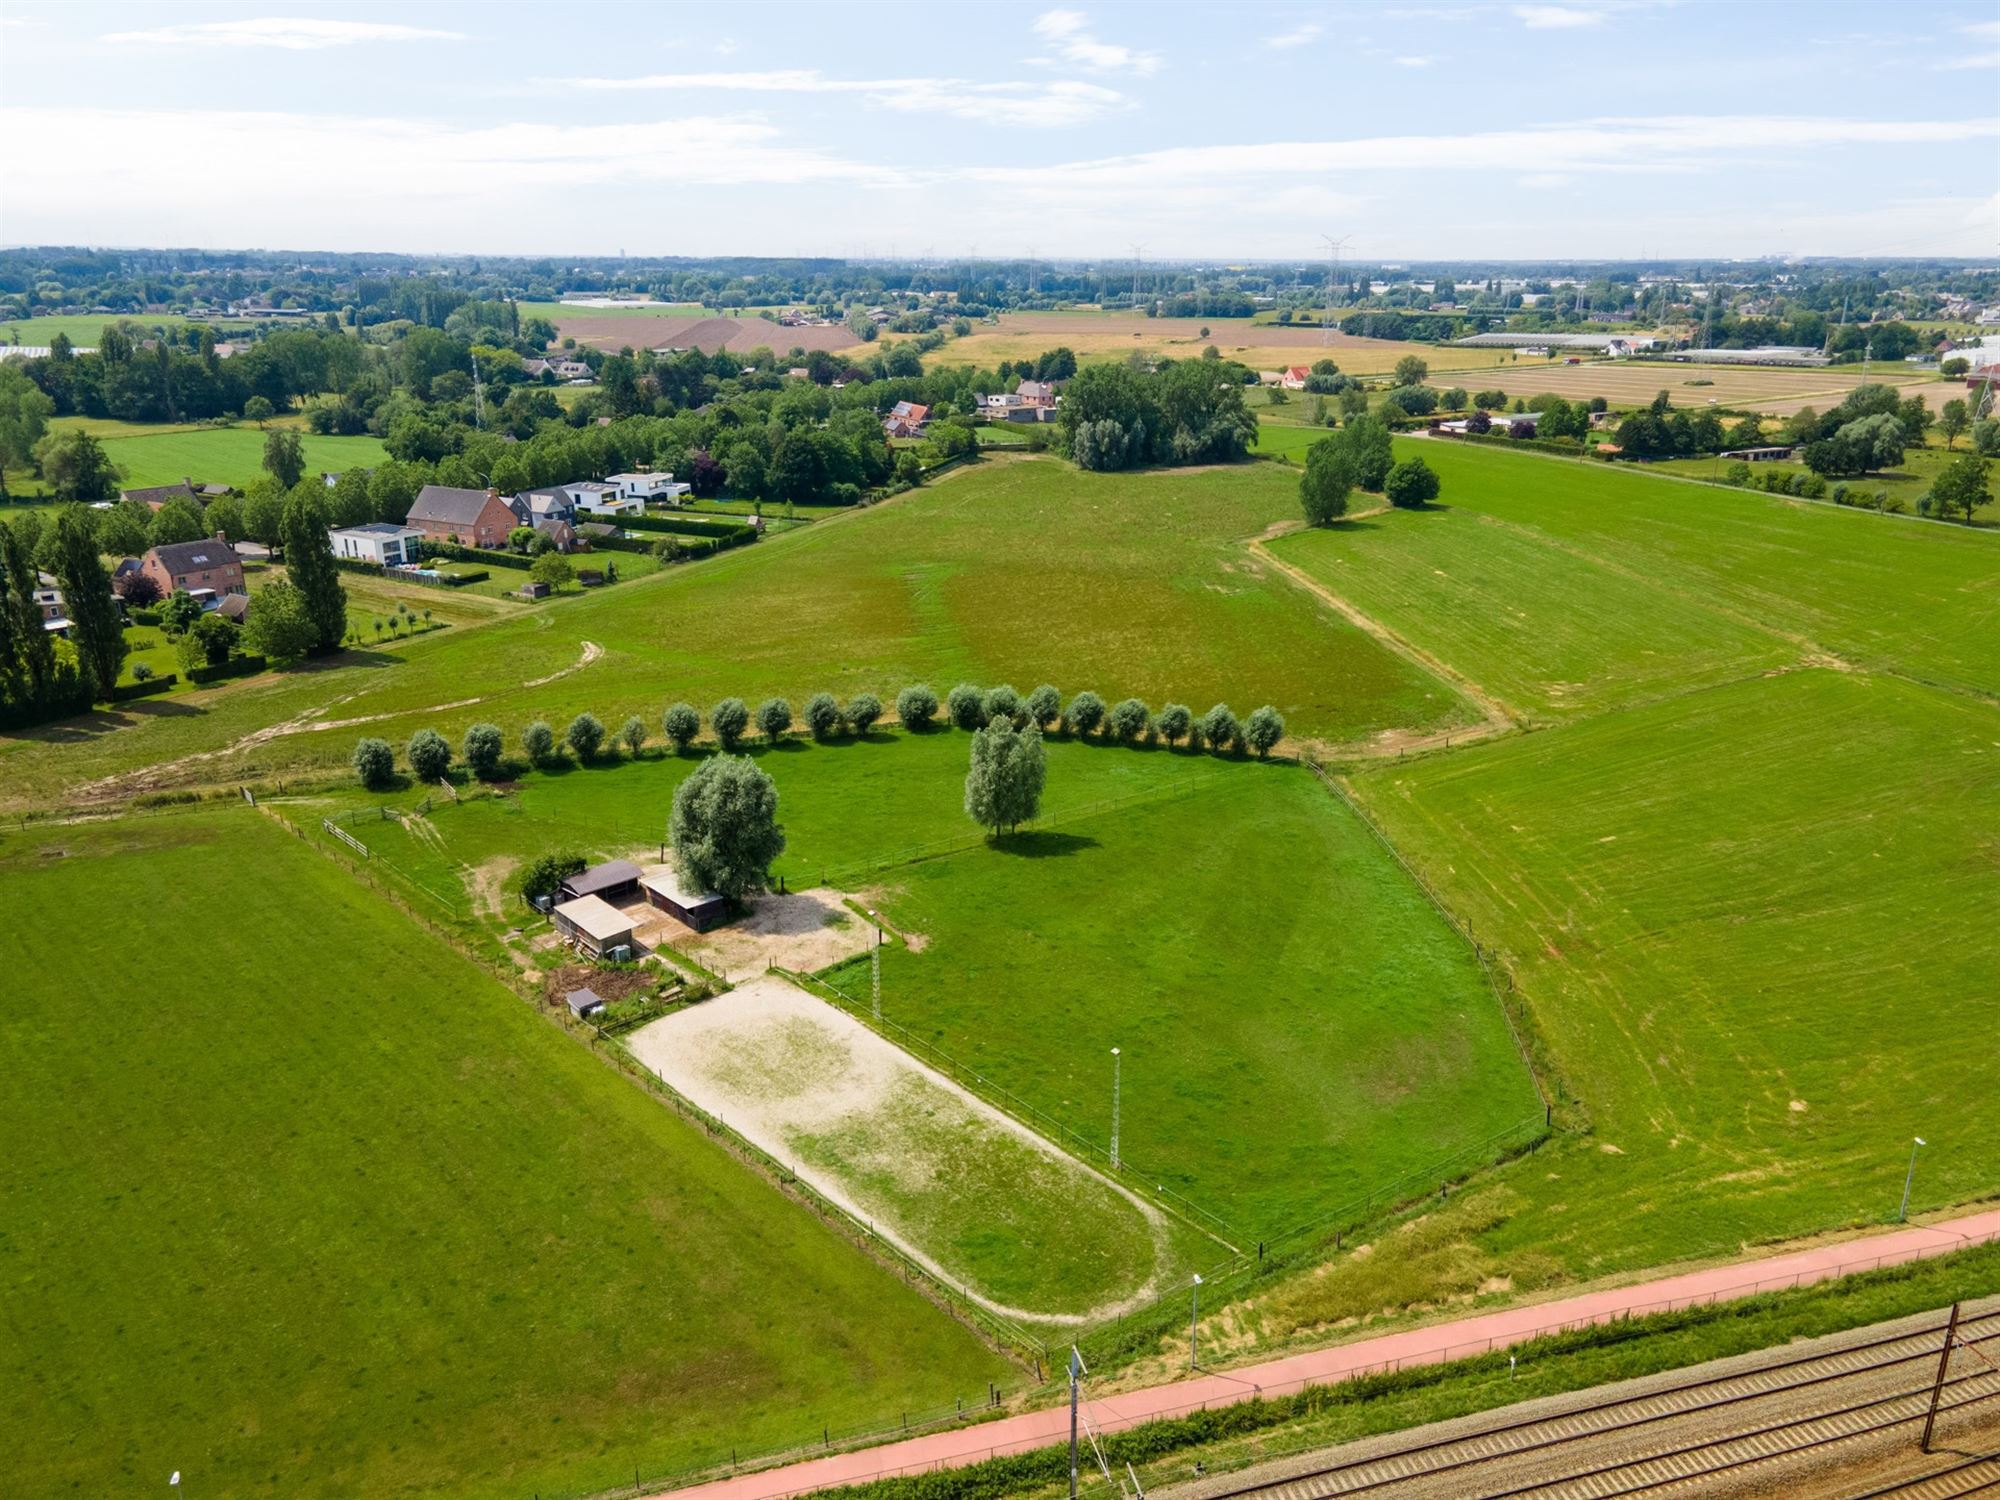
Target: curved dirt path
(591, 652)
(1497, 716)
(1458, 1339)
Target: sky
(1582, 129)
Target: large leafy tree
(27, 655)
(284, 456)
(95, 629)
(1003, 784)
(725, 827)
(176, 521)
(76, 466)
(1365, 442)
(24, 417)
(1324, 486)
(309, 562)
(279, 626)
(1961, 487)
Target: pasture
(1028, 1232)
(1753, 924)
(1098, 335)
(152, 455)
(360, 1222)
(1299, 967)
(85, 329)
(1772, 389)
(1019, 571)
(1567, 586)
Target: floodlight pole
(1116, 1063)
(1903, 1212)
(1075, 1370)
(1194, 1325)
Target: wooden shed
(594, 925)
(614, 880)
(700, 910)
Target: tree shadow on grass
(82, 728)
(1043, 843)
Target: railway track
(1676, 1436)
(1975, 1476)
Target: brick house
(211, 564)
(158, 495)
(472, 518)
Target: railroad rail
(1908, 1359)
(1973, 1476)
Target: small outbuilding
(595, 926)
(614, 880)
(583, 1004)
(700, 910)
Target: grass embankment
(1236, 1437)
(1298, 1026)
(316, 1207)
(1023, 571)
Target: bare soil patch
(647, 331)
(804, 931)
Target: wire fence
(1136, 1414)
(955, 1299)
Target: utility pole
(1333, 249)
(1075, 1370)
(1937, 1385)
(1116, 1063)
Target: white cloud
(1976, 60)
(292, 33)
(1069, 33)
(1045, 105)
(1415, 62)
(1298, 36)
(1556, 17)
(1545, 180)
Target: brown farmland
(740, 335)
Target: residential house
(155, 496)
(906, 419)
(532, 507)
(471, 518)
(647, 487)
(594, 497)
(1293, 378)
(208, 567)
(379, 542)
(560, 533)
(1039, 392)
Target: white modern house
(378, 542)
(597, 498)
(645, 487)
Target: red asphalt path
(1417, 1346)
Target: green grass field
(1754, 927)
(1345, 1007)
(85, 329)
(218, 455)
(1566, 587)
(313, 1206)
(1018, 570)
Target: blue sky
(1587, 128)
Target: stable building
(700, 910)
(595, 926)
(614, 880)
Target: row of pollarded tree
(430, 757)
